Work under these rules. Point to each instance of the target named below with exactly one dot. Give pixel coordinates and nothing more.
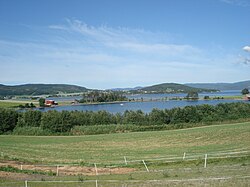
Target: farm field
(15, 103)
(138, 145)
(227, 148)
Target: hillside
(125, 89)
(222, 86)
(39, 89)
(172, 88)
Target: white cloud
(243, 60)
(246, 48)
(246, 61)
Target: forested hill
(222, 86)
(39, 89)
(173, 88)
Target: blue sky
(124, 43)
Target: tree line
(34, 122)
(98, 96)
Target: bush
(8, 120)
(31, 118)
(31, 131)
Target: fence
(123, 183)
(60, 169)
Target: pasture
(15, 103)
(227, 147)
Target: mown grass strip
(16, 170)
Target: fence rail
(28, 183)
(125, 161)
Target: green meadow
(111, 148)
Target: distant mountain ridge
(126, 89)
(222, 86)
(51, 89)
(39, 89)
(173, 88)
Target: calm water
(158, 96)
(144, 106)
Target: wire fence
(123, 183)
(125, 165)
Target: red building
(50, 103)
(248, 97)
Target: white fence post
(21, 167)
(125, 160)
(205, 164)
(26, 183)
(96, 172)
(96, 183)
(145, 165)
(57, 170)
(184, 156)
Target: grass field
(15, 103)
(138, 145)
(112, 148)
(4, 104)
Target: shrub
(31, 131)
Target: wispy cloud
(245, 60)
(243, 3)
(113, 37)
(128, 40)
(103, 57)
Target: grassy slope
(174, 87)
(112, 147)
(8, 104)
(222, 86)
(40, 89)
(15, 103)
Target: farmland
(112, 147)
(108, 152)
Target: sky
(105, 44)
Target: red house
(248, 97)
(50, 103)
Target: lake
(148, 105)
(158, 96)
(144, 106)
(169, 95)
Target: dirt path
(67, 170)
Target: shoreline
(143, 101)
(14, 103)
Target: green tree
(192, 95)
(245, 91)
(26, 105)
(206, 97)
(32, 105)
(134, 117)
(51, 120)
(41, 102)
(30, 118)
(158, 117)
(56, 121)
(8, 120)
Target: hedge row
(35, 122)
